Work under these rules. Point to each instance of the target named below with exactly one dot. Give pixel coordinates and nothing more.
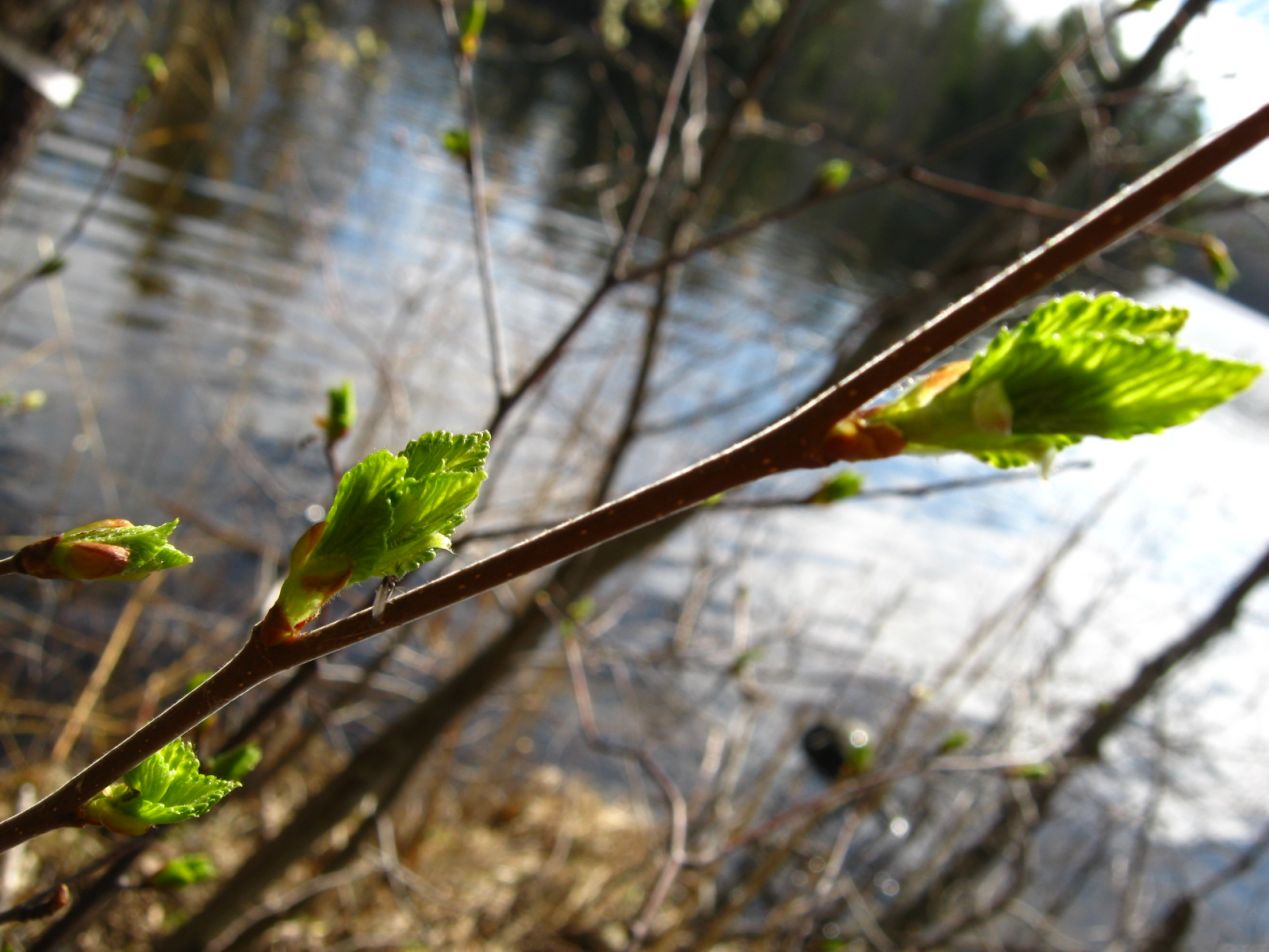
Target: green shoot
(457, 142)
(236, 762)
(188, 870)
(1077, 367)
(164, 788)
(341, 411)
(1224, 272)
(954, 741)
(837, 487)
(831, 176)
(473, 25)
(391, 513)
(112, 549)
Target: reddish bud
(91, 560)
(854, 440)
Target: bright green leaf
(1038, 771)
(165, 788)
(954, 741)
(473, 25)
(391, 513)
(1078, 367)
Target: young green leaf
(112, 549)
(341, 410)
(188, 870)
(457, 142)
(1078, 367)
(1224, 272)
(831, 176)
(391, 513)
(164, 788)
(236, 762)
(954, 741)
(839, 486)
(473, 25)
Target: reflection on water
(288, 219)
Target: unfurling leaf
(473, 25)
(1077, 367)
(341, 411)
(164, 788)
(391, 513)
(112, 549)
(236, 762)
(188, 870)
(831, 176)
(1037, 771)
(457, 142)
(1224, 273)
(839, 486)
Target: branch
(614, 275)
(1035, 206)
(796, 441)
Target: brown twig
(119, 638)
(1035, 206)
(676, 853)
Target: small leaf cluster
(341, 411)
(111, 549)
(167, 787)
(391, 513)
(188, 870)
(1078, 366)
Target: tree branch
(796, 441)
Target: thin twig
(674, 800)
(474, 163)
(53, 260)
(120, 636)
(655, 165)
(618, 261)
(1035, 206)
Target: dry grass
(554, 865)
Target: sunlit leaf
(1078, 367)
(165, 788)
(391, 513)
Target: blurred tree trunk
(66, 32)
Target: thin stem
(613, 276)
(661, 143)
(1035, 206)
(465, 68)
